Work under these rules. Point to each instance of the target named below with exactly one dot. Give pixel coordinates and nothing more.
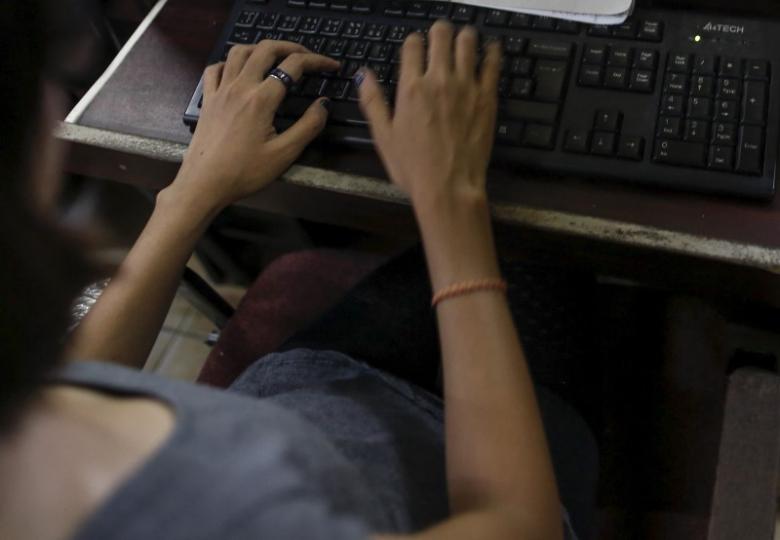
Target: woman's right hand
(438, 141)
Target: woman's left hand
(236, 150)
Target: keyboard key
(549, 49)
(603, 143)
(417, 10)
(595, 54)
(650, 30)
(672, 105)
(519, 20)
(591, 75)
(267, 21)
(336, 47)
(646, 59)
(750, 150)
(576, 141)
(700, 108)
(626, 30)
(619, 56)
(729, 88)
(296, 3)
(676, 83)
(348, 69)
(337, 89)
(607, 120)
(520, 66)
(353, 29)
(703, 86)
(362, 6)
(246, 18)
(347, 112)
(730, 67)
(538, 136)
(669, 127)
(496, 17)
(679, 62)
(721, 158)
(243, 36)
(398, 33)
(724, 134)
(395, 9)
(375, 31)
(314, 87)
(380, 52)
(754, 103)
(757, 70)
(616, 77)
(357, 50)
(515, 109)
(382, 71)
(314, 43)
(288, 23)
(641, 81)
(521, 88)
(631, 147)
(550, 77)
(509, 133)
(697, 131)
(726, 111)
(318, 4)
(680, 153)
(332, 27)
(309, 25)
(439, 10)
(514, 45)
(704, 64)
(599, 30)
(463, 14)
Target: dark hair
(41, 267)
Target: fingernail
(326, 104)
(359, 77)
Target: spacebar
(530, 111)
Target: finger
(265, 55)
(292, 141)
(211, 79)
(491, 68)
(466, 53)
(440, 47)
(412, 57)
(373, 105)
(237, 57)
(295, 66)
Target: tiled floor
(181, 349)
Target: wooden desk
(129, 129)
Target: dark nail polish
(359, 77)
(326, 104)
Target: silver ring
(283, 77)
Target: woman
(318, 445)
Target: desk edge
(631, 234)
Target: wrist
(457, 236)
(184, 209)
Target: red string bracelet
(467, 287)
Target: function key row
(618, 68)
(644, 30)
(506, 19)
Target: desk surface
(129, 128)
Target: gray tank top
(306, 444)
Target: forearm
(123, 325)
(497, 455)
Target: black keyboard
(669, 98)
